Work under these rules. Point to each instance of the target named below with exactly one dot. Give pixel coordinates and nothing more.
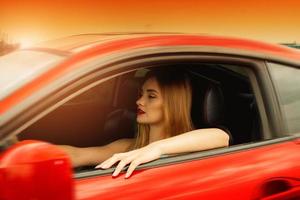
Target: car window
(107, 111)
(77, 122)
(222, 98)
(287, 84)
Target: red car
(81, 91)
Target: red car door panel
(236, 175)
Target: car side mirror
(35, 170)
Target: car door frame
(120, 62)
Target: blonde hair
(176, 92)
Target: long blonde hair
(176, 92)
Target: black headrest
(213, 105)
(208, 104)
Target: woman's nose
(140, 101)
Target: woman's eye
(152, 96)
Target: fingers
(124, 159)
(121, 165)
(110, 162)
(132, 167)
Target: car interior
(222, 97)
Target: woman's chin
(141, 121)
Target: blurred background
(25, 22)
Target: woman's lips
(140, 112)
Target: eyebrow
(152, 90)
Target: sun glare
(25, 43)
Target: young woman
(164, 127)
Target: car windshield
(20, 67)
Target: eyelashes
(150, 96)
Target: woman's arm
(93, 155)
(197, 140)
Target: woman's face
(150, 104)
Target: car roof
(79, 43)
(79, 47)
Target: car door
(251, 173)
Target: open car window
(222, 97)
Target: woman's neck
(156, 133)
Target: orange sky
(30, 21)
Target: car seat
(208, 104)
(242, 117)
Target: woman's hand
(132, 158)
